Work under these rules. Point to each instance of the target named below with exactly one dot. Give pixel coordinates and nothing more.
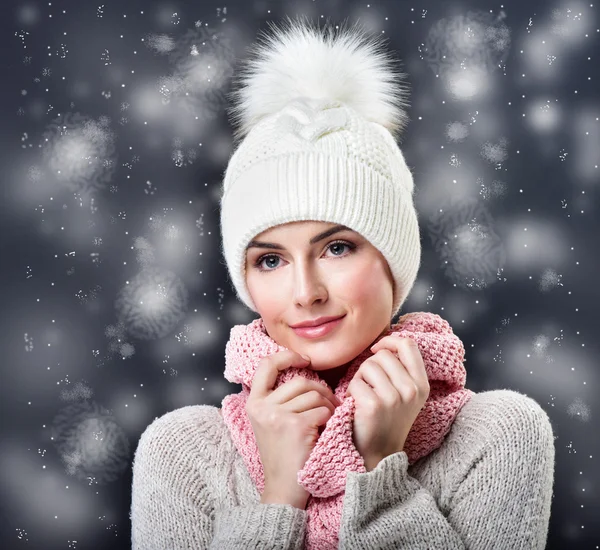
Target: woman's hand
(386, 411)
(285, 422)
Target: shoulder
(508, 419)
(175, 424)
(191, 430)
(506, 407)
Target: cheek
(265, 295)
(364, 282)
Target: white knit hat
(318, 115)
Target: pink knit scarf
(334, 455)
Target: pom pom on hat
(300, 60)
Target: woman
(357, 433)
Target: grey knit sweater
(488, 486)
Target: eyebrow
(315, 239)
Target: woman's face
(303, 280)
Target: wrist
(274, 498)
(371, 463)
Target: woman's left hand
(386, 411)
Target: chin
(318, 365)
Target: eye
(261, 259)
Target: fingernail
(306, 357)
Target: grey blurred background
(116, 300)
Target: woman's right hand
(286, 424)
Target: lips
(310, 324)
(320, 330)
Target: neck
(333, 376)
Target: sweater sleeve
(172, 507)
(277, 526)
(500, 498)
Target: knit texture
(489, 485)
(334, 455)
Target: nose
(308, 286)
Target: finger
(267, 372)
(317, 417)
(298, 386)
(361, 391)
(307, 401)
(400, 380)
(409, 355)
(374, 374)
(411, 358)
